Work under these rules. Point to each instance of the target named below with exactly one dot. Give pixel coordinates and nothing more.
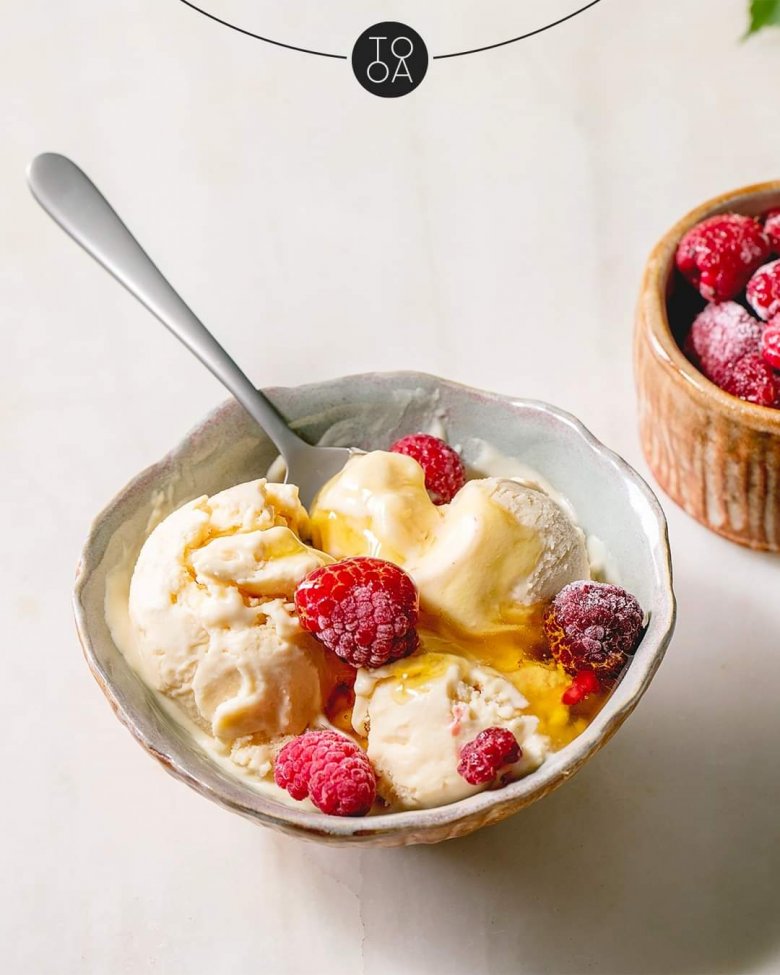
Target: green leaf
(763, 13)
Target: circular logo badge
(390, 59)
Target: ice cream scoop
(480, 563)
(376, 505)
(417, 714)
(210, 603)
(500, 550)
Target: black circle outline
(434, 57)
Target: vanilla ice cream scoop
(500, 549)
(480, 562)
(210, 601)
(417, 715)
(376, 505)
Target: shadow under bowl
(371, 411)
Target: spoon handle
(74, 202)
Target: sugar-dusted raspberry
(763, 291)
(772, 228)
(483, 758)
(770, 343)
(363, 609)
(720, 336)
(330, 769)
(753, 379)
(444, 471)
(719, 255)
(593, 626)
(584, 684)
(292, 768)
(342, 781)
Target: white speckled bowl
(370, 411)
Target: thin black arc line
(523, 37)
(259, 37)
(435, 57)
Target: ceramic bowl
(611, 500)
(717, 456)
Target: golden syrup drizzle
(520, 654)
(416, 672)
(343, 538)
(515, 647)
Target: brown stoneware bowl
(717, 456)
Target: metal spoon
(75, 203)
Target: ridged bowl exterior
(717, 456)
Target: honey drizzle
(519, 653)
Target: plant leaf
(763, 13)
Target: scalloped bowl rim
(560, 766)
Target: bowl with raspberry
(464, 615)
(707, 365)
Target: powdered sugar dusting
(720, 336)
(719, 255)
(772, 228)
(763, 291)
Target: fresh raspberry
(444, 471)
(483, 758)
(342, 781)
(770, 343)
(763, 291)
(584, 684)
(772, 228)
(293, 763)
(719, 337)
(330, 769)
(752, 379)
(363, 609)
(593, 626)
(719, 255)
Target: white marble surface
(490, 228)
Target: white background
(490, 228)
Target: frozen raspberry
(770, 343)
(763, 291)
(331, 770)
(342, 781)
(444, 471)
(752, 379)
(719, 255)
(772, 228)
(584, 684)
(293, 763)
(593, 626)
(363, 609)
(719, 337)
(483, 758)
